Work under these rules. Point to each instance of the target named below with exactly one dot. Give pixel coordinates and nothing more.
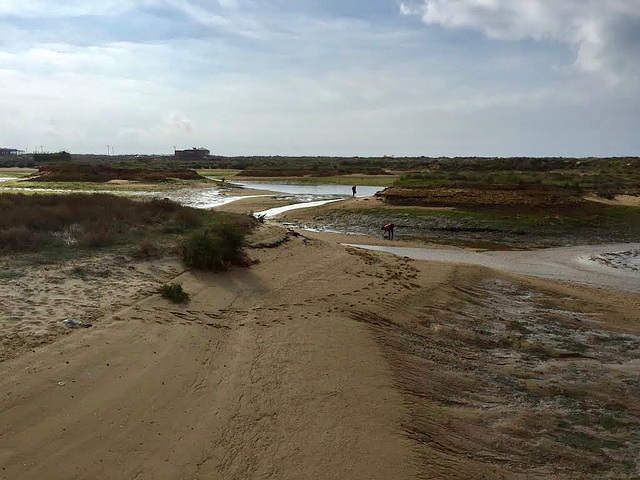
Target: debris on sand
(76, 323)
(627, 260)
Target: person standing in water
(353, 189)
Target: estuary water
(306, 196)
(341, 191)
(301, 195)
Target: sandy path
(324, 361)
(253, 379)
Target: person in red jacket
(388, 229)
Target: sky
(322, 77)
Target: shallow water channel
(306, 196)
(300, 195)
(575, 264)
(341, 191)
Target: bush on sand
(174, 293)
(215, 248)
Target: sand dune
(324, 361)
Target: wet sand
(572, 264)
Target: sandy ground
(318, 362)
(355, 204)
(35, 299)
(259, 204)
(619, 200)
(251, 205)
(611, 266)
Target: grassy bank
(369, 180)
(16, 172)
(489, 228)
(311, 179)
(99, 187)
(62, 225)
(218, 172)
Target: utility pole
(108, 150)
(113, 150)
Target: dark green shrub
(98, 239)
(186, 219)
(21, 239)
(215, 249)
(174, 293)
(606, 195)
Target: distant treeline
(272, 165)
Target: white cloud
(179, 123)
(604, 33)
(62, 8)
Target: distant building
(6, 152)
(193, 154)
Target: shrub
(185, 219)
(148, 249)
(606, 195)
(215, 249)
(98, 237)
(174, 293)
(20, 238)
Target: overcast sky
(322, 77)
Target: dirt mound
(102, 174)
(479, 197)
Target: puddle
(625, 260)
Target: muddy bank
(606, 266)
(103, 174)
(482, 229)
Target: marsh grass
(604, 182)
(347, 180)
(215, 248)
(54, 227)
(591, 219)
(10, 275)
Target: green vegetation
(174, 293)
(10, 275)
(497, 227)
(215, 248)
(370, 180)
(582, 441)
(52, 157)
(218, 172)
(603, 183)
(604, 176)
(102, 174)
(16, 185)
(11, 173)
(54, 225)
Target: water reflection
(272, 212)
(316, 190)
(302, 196)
